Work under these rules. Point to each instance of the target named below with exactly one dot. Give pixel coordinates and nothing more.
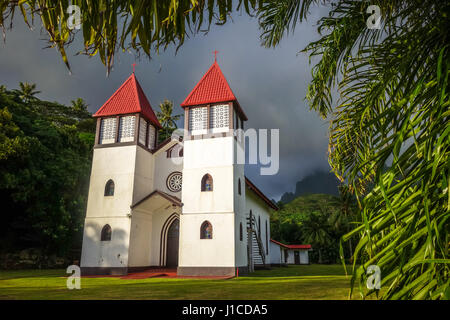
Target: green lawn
(293, 282)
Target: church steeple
(127, 117)
(128, 99)
(212, 88)
(214, 203)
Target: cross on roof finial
(215, 55)
(134, 65)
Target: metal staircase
(255, 246)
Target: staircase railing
(252, 222)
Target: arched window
(106, 233)
(109, 188)
(206, 230)
(207, 183)
(239, 186)
(241, 235)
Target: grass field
(293, 282)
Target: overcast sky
(270, 84)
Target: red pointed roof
(129, 98)
(212, 88)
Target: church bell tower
(121, 174)
(211, 241)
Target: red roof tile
(129, 98)
(292, 246)
(212, 88)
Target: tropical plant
(311, 219)
(121, 24)
(45, 161)
(79, 105)
(389, 132)
(166, 119)
(316, 232)
(27, 91)
(345, 218)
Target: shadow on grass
(32, 273)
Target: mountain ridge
(320, 182)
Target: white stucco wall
(215, 252)
(143, 174)
(114, 253)
(276, 253)
(214, 157)
(259, 209)
(304, 256)
(164, 167)
(118, 164)
(140, 239)
(240, 209)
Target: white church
(183, 203)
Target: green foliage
(45, 158)
(122, 24)
(27, 91)
(167, 120)
(316, 219)
(389, 133)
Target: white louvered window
(151, 136)
(108, 130)
(142, 130)
(126, 128)
(198, 118)
(219, 119)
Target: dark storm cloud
(270, 84)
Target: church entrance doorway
(173, 237)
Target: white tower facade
(122, 173)
(212, 224)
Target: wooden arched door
(173, 236)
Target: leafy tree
(122, 24)
(315, 232)
(310, 219)
(167, 120)
(27, 91)
(389, 134)
(45, 159)
(79, 105)
(344, 220)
